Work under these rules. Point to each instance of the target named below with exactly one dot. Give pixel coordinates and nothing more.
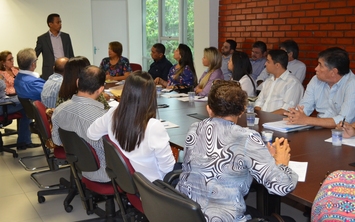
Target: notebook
(283, 127)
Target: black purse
(182, 89)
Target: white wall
(206, 30)
(23, 20)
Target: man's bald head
(59, 65)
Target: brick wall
(314, 24)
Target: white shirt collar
(27, 72)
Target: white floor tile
(17, 208)
(9, 186)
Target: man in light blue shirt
(229, 46)
(331, 92)
(258, 58)
(52, 86)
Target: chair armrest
(7, 103)
(171, 176)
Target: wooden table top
(306, 146)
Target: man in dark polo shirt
(161, 66)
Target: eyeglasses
(10, 59)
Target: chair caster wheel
(15, 155)
(68, 208)
(41, 199)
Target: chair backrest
(162, 202)
(135, 66)
(28, 107)
(78, 151)
(118, 167)
(40, 117)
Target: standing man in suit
(53, 45)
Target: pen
(342, 124)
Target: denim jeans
(23, 131)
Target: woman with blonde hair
(212, 58)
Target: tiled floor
(18, 194)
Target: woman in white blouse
(239, 65)
(133, 127)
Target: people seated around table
(331, 92)
(212, 59)
(229, 46)
(52, 86)
(258, 58)
(295, 66)
(23, 130)
(69, 85)
(282, 90)
(8, 71)
(240, 66)
(80, 111)
(335, 198)
(115, 66)
(161, 65)
(221, 159)
(181, 75)
(27, 83)
(144, 141)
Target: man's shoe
(22, 147)
(32, 145)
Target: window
(169, 22)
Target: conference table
(306, 146)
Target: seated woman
(239, 65)
(181, 75)
(69, 85)
(133, 127)
(221, 158)
(115, 66)
(8, 71)
(212, 58)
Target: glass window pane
(151, 30)
(170, 18)
(190, 24)
(170, 46)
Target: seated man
(27, 82)
(24, 134)
(282, 90)
(161, 66)
(80, 111)
(228, 48)
(51, 88)
(296, 67)
(331, 92)
(257, 60)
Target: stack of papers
(196, 99)
(300, 168)
(283, 127)
(174, 95)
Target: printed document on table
(300, 168)
(174, 95)
(346, 141)
(283, 127)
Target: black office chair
(161, 202)
(28, 108)
(82, 157)
(5, 120)
(120, 170)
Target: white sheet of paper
(346, 141)
(300, 168)
(168, 125)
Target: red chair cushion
(59, 153)
(97, 187)
(135, 201)
(11, 116)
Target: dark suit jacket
(44, 46)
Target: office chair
(5, 120)
(120, 170)
(28, 108)
(82, 157)
(161, 202)
(56, 159)
(135, 66)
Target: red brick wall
(314, 24)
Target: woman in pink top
(8, 71)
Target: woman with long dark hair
(240, 66)
(181, 75)
(133, 127)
